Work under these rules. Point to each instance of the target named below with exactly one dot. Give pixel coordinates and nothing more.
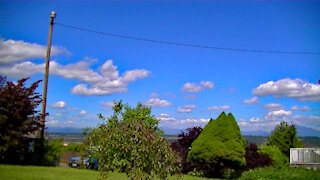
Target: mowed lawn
(13, 172)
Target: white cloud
(291, 88)
(275, 115)
(193, 121)
(215, 108)
(106, 82)
(12, 51)
(57, 114)
(52, 122)
(207, 84)
(189, 97)
(73, 109)
(307, 121)
(304, 108)
(253, 100)
(186, 109)
(154, 95)
(157, 102)
(255, 120)
(165, 117)
(83, 112)
(243, 122)
(273, 106)
(108, 104)
(191, 87)
(58, 105)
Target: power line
(184, 44)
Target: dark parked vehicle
(75, 162)
(91, 163)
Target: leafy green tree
(53, 150)
(131, 142)
(279, 160)
(141, 113)
(284, 136)
(220, 146)
(19, 119)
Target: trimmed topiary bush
(220, 146)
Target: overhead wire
(185, 44)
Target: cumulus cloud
(291, 88)
(253, 100)
(58, 105)
(189, 97)
(193, 87)
(108, 104)
(73, 109)
(273, 106)
(215, 108)
(194, 121)
(277, 115)
(307, 121)
(243, 122)
(105, 82)
(157, 102)
(255, 120)
(12, 51)
(186, 109)
(207, 84)
(165, 117)
(83, 112)
(304, 108)
(57, 114)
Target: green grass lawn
(13, 172)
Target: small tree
(18, 119)
(130, 142)
(183, 145)
(284, 136)
(219, 146)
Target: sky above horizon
(185, 86)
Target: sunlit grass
(13, 172)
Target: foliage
(183, 145)
(53, 150)
(270, 172)
(255, 159)
(132, 145)
(141, 113)
(284, 136)
(73, 147)
(196, 173)
(219, 146)
(19, 119)
(279, 160)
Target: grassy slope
(12, 172)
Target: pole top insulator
(53, 14)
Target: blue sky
(185, 86)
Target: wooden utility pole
(45, 82)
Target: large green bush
(127, 143)
(279, 160)
(220, 145)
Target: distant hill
(63, 130)
(304, 131)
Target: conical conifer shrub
(220, 144)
